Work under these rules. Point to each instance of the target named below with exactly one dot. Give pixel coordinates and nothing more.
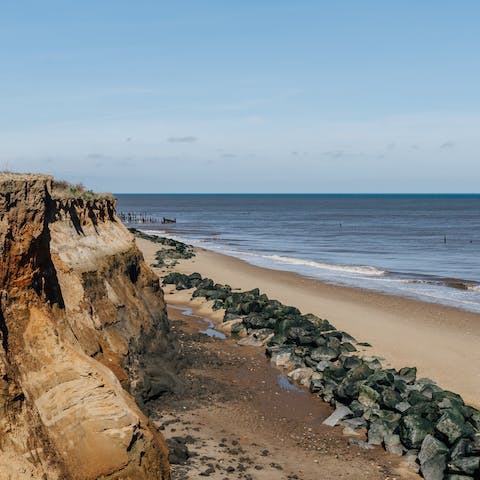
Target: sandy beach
(441, 342)
(277, 432)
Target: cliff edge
(84, 340)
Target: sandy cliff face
(83, 334)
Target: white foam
(473, 288)
(355, 269)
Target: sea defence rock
(84, 334)
(172, 252)
(404, 414)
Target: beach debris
(340, 412)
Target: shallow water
(285, 384)
(210, 330)
(421, 246)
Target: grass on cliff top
(61, 189)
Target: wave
(345, 273)
(355, 269)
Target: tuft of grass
(61, 189)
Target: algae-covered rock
(408, 374)
(389, 398)
(452, 426)
(368, 396)
(324, 353)
(433, 458)
(414, 429)
(465, 465)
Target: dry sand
(442, 342)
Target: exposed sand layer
(239, 422)
(442, 342)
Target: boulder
(415, 397)
(465, 465)
(373, 362)
(408, 374)
(389, 398)
(355, 423)
(402, 407)
(258, 320)
(227, 326)
(347, 347)
(357, 408)
(452, 426)
(257, 338)
(378, 431)
(301, 375)
(368, 396)
(362, 372)
(430, 448)
(322, 365)
(322, 325)
(400, 386)
(282, 356)
(316, 385)
(383, 426)
(229, 316)
(433, 458)
(324, 353)
(179, 453)
(460, 449)
(393, 444)
(239, 329)
(474, 419)
(414, 429)
(350, 362)
(333, 372)
(381, 377)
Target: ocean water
(421, 246)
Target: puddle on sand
(285, 384)
(210, 331)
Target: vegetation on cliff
(61, 189)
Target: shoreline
(455, 283)
(440, 341)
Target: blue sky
(243, 96)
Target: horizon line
(300, 193)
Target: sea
(425, 247)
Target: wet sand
(241, 422)
(442, 342)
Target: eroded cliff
(84, 340)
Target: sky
(243, 96)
